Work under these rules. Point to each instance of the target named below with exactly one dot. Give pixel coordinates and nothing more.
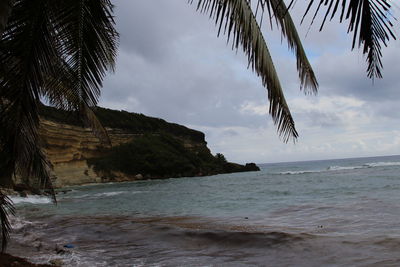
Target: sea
(343, 212)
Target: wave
(30, 200)
(296, 172)
(364, 166)
(109, 194)
(19, 224)
(382, 164)
(98, 195)
(343, 168)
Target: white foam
(296, 172)
(342, 168)
(97, 195)
(109, 194)
(30, 200)
(18, 223)
(382, 164)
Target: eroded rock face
(68, 147)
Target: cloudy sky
(171, 65)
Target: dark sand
(7, 260)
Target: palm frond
(89, 43)
(64, 95)
(5, 11)
(91, 121)
(277, 9)
(6, 209)
(41, 37)
(236, 19)
(370, 22)
(26, 52)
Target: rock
(39, 246)
(251, 167)
(22, 194)
(9, 191)
(56, 262)
(139, 176)
(21, 187)
(60, 250)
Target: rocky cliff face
(141, 148)
(69, 147)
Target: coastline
(288, 214)
(10, 260)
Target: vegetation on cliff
(159, 149)
(161, 156)
(129, 121)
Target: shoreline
(10, 260)
(21, 190)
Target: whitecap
(97, 195)
(342, 168)
(18, 223)
(30, 200)
(382, 164)
(109, 194)
(296, 172)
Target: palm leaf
(6, 209)
(5, 11)
(62, 94)
(277, 9)
(89, 42)
(370, 22)
(27, 50)
(237, 20)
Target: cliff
(142, 148)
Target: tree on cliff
(61, 50)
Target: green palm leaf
(88, 42)
(6, 209)
(277, 9)
(237, 20)
(26, 51)
(44, 44)
(370, 22)
(64, 95)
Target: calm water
(331, 213)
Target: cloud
(171, 65)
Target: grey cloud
(171, 65)
(321, 119)
(344, 74)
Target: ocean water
(318, 213)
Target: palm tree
(61, 50)
(54, 50)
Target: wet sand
(7, 260)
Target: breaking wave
(344, 168)
(30, 200)
(296, 172)
(382, 164)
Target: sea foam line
(30, 200)
(343, 168)
(382, 164)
